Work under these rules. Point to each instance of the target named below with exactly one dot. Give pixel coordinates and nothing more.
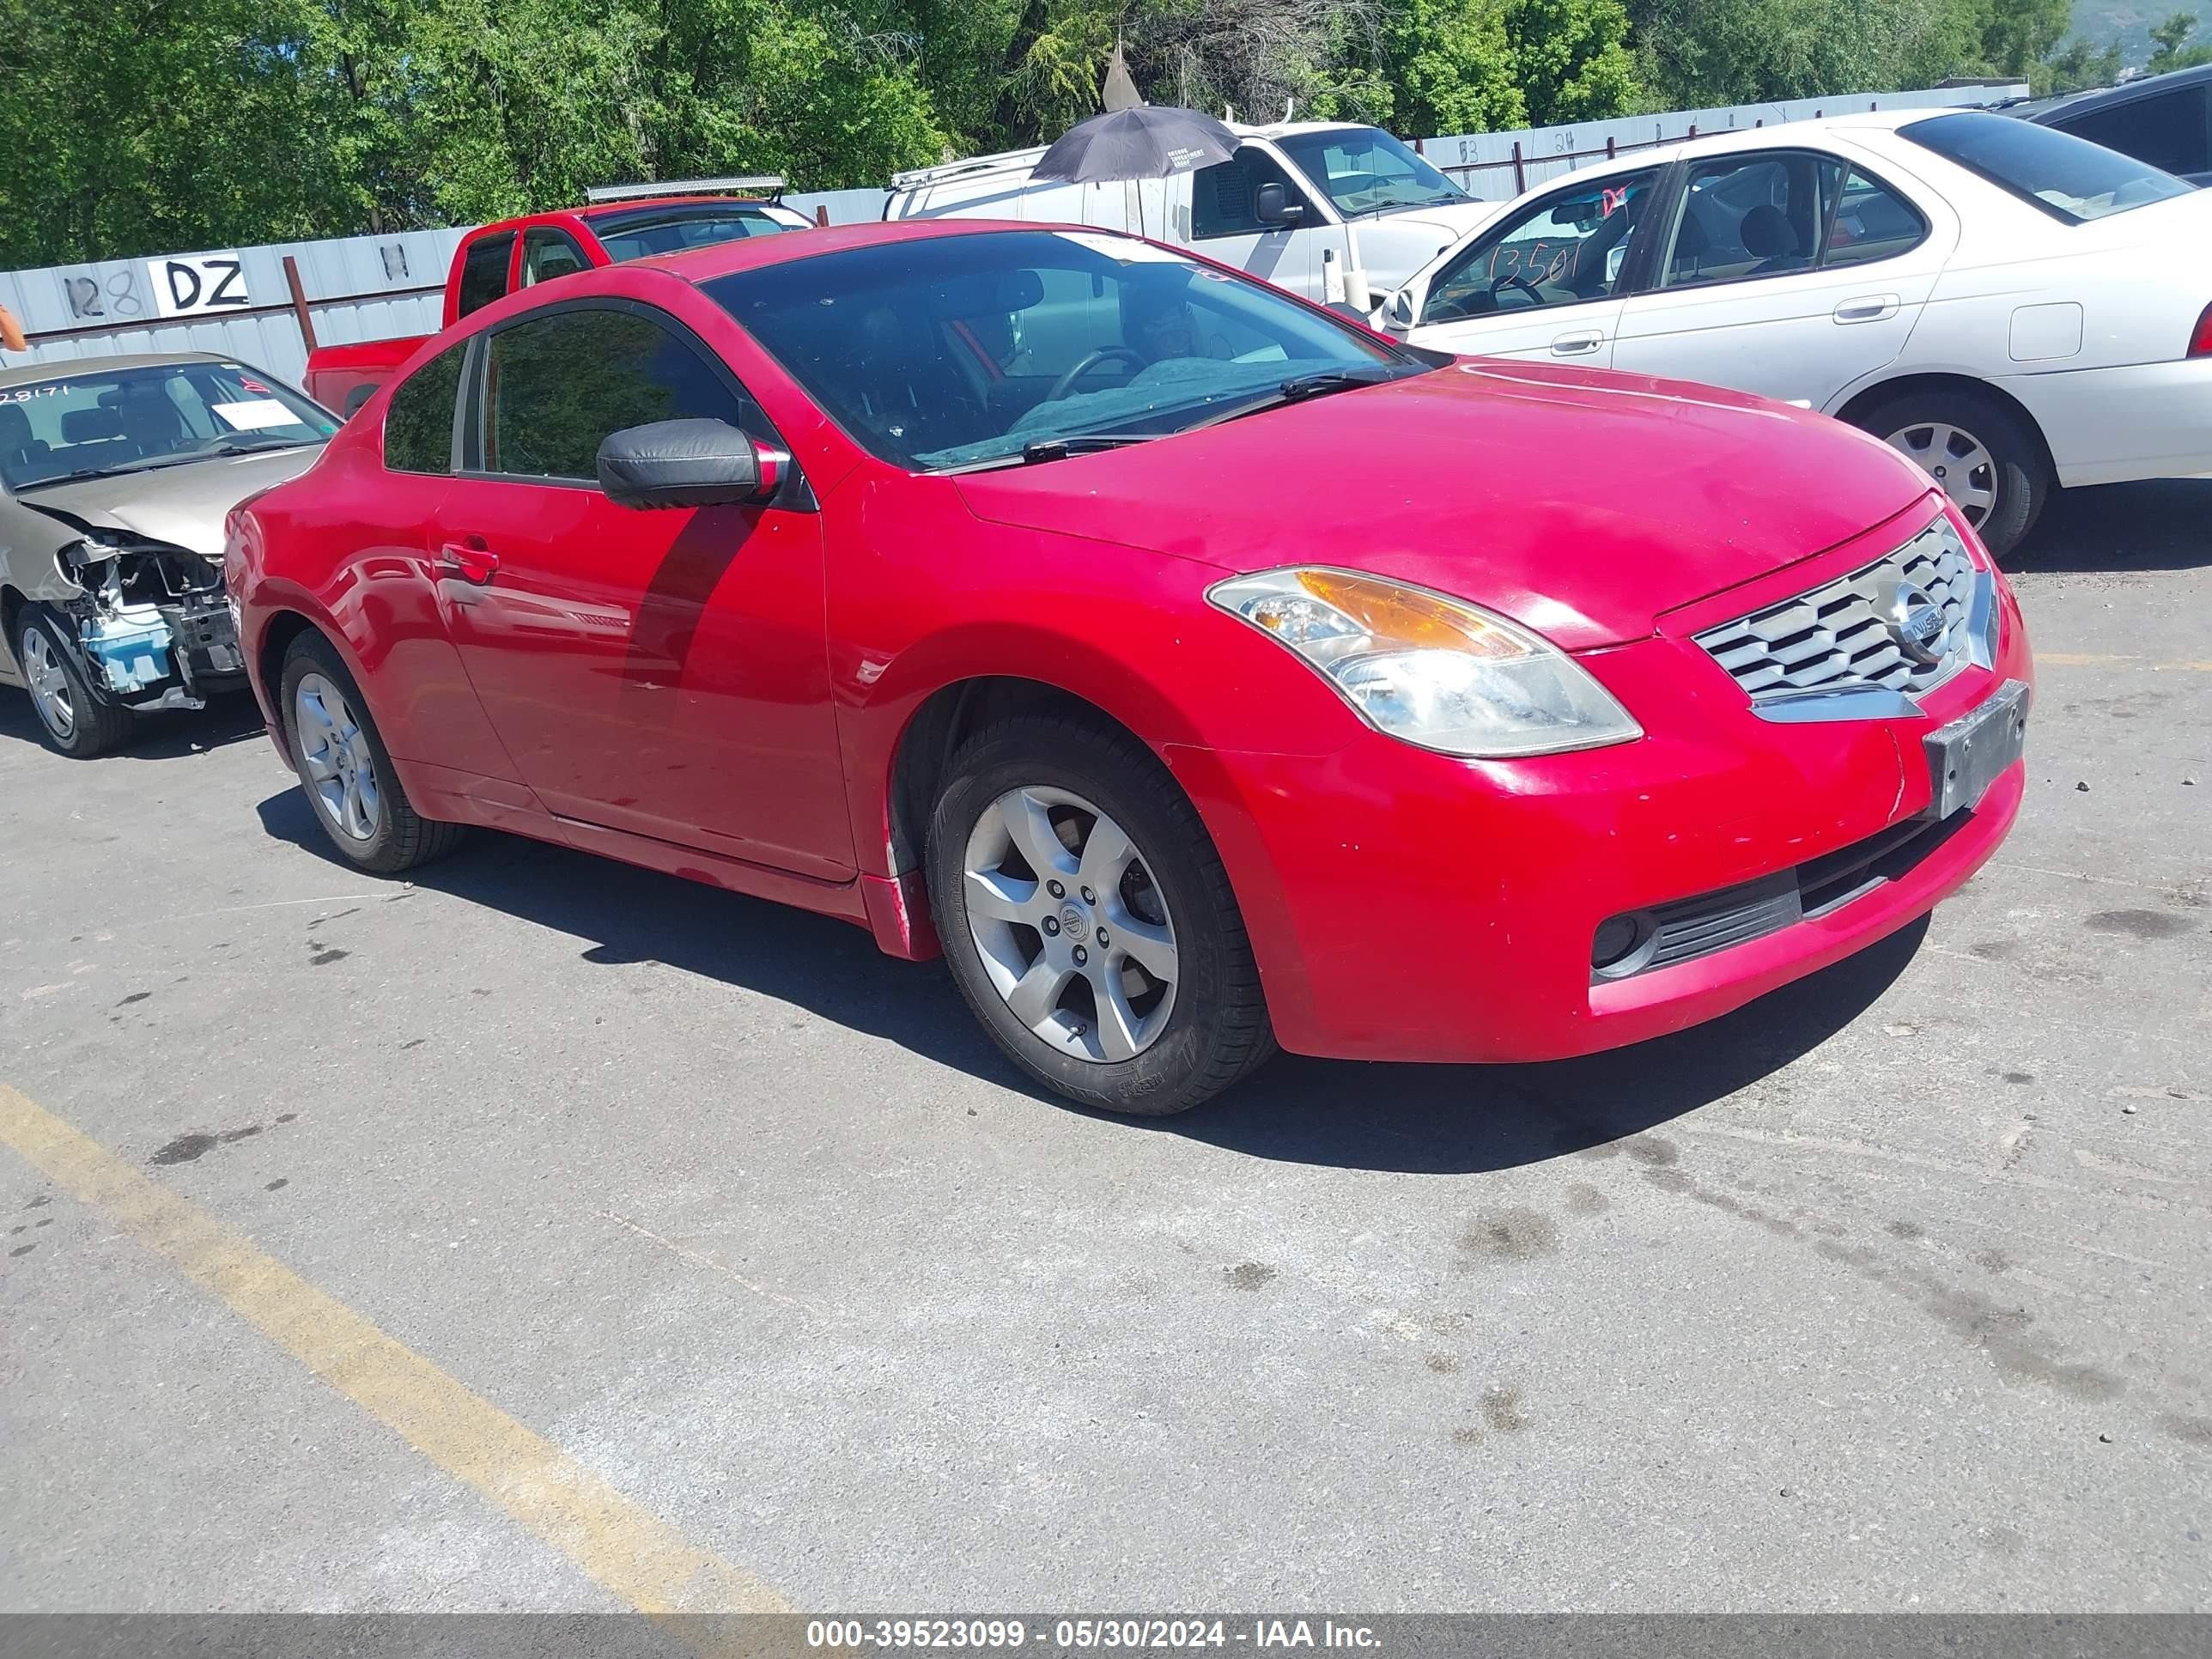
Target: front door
(1791, 273)
(662, 672)
(1224, 221)
(1544, 281)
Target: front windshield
(2069, 178)
(1366, 170)
(129, 420)
(644, 232)
(951, 350)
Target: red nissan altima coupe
(1198, 671)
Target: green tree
(1571, 59)
(2080, 65)
(2174, 51)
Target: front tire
(73, 719)
(1987, 459)
(345, 770)
(1088, 920)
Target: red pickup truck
(618, 222)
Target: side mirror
(1395, 310)
(696, 463)
(1272, 205)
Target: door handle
(471, 559)
(1868, 308)
(1577, 345)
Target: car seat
(1687, 262)
(21, 451)
(913, 394)
(149, 420)
(1769, 237)
(97, 430)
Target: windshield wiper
(1085, 443)
(238, 446)
(228, 446)
(1299, 387)
(1053, 449)
(116, 471)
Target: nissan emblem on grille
(1916, 621)
(1903, 624)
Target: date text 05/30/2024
(1075, 1634)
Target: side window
(1563, 250)
(1867, 221)
(418, 419)
(1766, 216)
(2167, 130)
(556, 386)
(1745, 218)
(484, 275)
(547, 254)
(1224, 198)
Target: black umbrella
(1149, 142)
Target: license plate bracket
(1969, 754)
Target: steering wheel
(1514, 279)
(1066, 383)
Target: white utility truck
(1326, 209)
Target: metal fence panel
(384, 285)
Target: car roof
(2143, 86)
(594, 209)
(704, 265)
(1293, 129)
(1862, 124)
(25, 373)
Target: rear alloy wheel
(1982, 454)
(345, 770)
(76, 721)
(1088, 919)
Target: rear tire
(73, 719)
(1169, 1010)
(1992, 463)
(345, 770)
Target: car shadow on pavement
(2113, 528)
(231, 718)
(1431, 1119)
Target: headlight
(1436, 671)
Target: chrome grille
(1840, 635)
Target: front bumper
(1407, 906)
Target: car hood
(1580, 503)
(1448, 222)
(184, 505)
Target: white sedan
(2015, 309)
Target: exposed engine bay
(154, 629)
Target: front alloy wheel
(1087, 919)
(50, 687)
(1070, 925)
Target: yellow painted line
(2100, 660)
(622, 1546)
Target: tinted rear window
(2068, 177)
(483, 276)
(644, 233)
(418, 423)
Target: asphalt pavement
(546, 1232)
